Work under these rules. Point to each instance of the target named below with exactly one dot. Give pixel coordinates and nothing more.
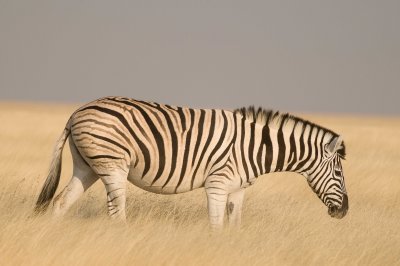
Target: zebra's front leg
(216, 201)
(234, 208)
(116, 195)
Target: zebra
(167, 150)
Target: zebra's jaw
(341, 212)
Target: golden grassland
(284, 223)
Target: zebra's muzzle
(341, 212)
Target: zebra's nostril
(345, 203)
(332, 209)
(339, 212)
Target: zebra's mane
(267, 117)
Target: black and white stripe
(166, 149)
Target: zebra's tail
(50, 185)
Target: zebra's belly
(159, 189)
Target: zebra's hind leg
(78, 184)
(115, 184)
(82, 178)
(234, 208)
(216, 202)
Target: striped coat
(166, 149)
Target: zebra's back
(165, 149)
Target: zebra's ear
(335, 144)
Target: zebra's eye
(338, 172)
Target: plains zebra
(166, 149)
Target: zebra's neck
(282, 145)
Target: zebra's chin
(339, 212)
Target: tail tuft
(50, 185)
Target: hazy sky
(325, 56)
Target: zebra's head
(327, 179)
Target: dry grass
(284, 222)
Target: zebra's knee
(116, 201)
(116, 197)
(231, 206)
